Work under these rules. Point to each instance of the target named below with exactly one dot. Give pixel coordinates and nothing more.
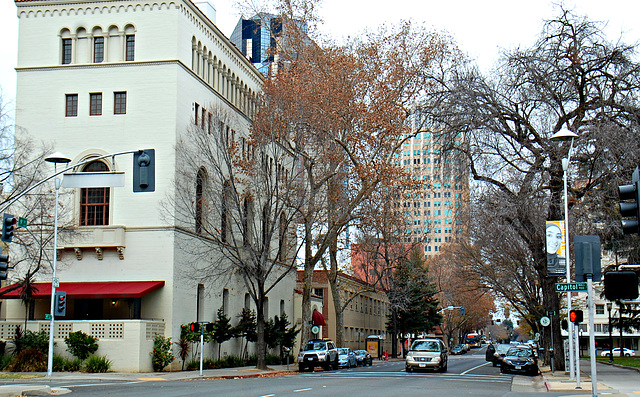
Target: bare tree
(571, 78)
(233, 200)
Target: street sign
(22, 222)
(315, 329)
(570, 287)
(545, 321)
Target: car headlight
(410, 355)
(436, 359)
(508, 362)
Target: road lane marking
(476, 367)
(151, 379)
(299, 390)
(268, 395)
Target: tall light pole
(609, 307)
(566, 135)
(55, 158)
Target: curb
(263, 375)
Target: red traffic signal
(575, 316)
(194, 327)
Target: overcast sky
(481, 28)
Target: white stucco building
(108, 76)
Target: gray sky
(481, 28)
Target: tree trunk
(335, 292)
(307, 280)
(260, 343)
(394, 333)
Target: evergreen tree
(414, 308)
(246, 328)
(222, 329)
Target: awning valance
(318, 318)
(89, 290)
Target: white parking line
(299, 390)
(476, 367)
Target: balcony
(95, 238)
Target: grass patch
(626, 361)
(19, 375)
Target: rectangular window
(66, 51)
(95, 104)
(119, 103)
(71, 105)
(599, 309)
(94, 206)
(131, 45)
(98, 49)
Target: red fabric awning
(318, 318)
(90, 290)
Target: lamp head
(57, 158)
(564, 135)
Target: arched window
(199, 199)
(224, 211)
(94, 201)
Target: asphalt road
(467, 375)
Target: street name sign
(570, 287)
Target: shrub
(4, 361)
(61, 364)
(162, 354)
(97, 364)
(29, 360)
(81, 345)
(32, 340)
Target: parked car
(363, 357)
(616, 352)
(346, 358)
(501, 351)
(520, 359)
(318, 352)
(458, 349)
(427, 354)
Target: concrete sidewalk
(612, 381)
(37, 385)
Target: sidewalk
(15, 387)
(615, 381)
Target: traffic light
(630, 204)
(144, 165)
(8, 224)
(4, 266)
(208, 327)
(194, 327)
(564, 324)
(61, 304)
(621, 285)
(575, 316)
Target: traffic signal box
(60, 308)
(621, 284)
(575, 316)
(197, 327)
(8, 224)
(4, 266)
(630, 204)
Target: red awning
(90, 290)
(318, 318)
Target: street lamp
(55, 158)
(566, 135)
(609, 307)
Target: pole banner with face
(556, 262)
